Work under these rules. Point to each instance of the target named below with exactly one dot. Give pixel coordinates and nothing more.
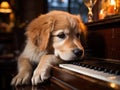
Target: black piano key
(87, 66)
(75, 63)
(117, 72)
(100, 69)
(95, 68)
(80, 64)
(111, 71)
(106, 70)
(91, 67)
(83, 65)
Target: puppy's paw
(21, 79)
(39, 77)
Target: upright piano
(99, 70)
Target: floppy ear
(82, 25)
(83, 31)
(39, 30)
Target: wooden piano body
(103, 44)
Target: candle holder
(89, 4)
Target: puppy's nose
(78, 52)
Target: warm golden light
(112, 2)
(5, 7)
(5, 4)
(102, 14)
(111, 10)
(113, 85)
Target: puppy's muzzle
(78, 52)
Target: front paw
(21, 79)
(40, 76)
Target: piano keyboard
(98, 74)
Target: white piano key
(92, 73)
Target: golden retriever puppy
(51, 39)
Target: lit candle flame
(112, 2)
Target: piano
(99, 70)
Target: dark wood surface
(103, 39)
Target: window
(72, 6)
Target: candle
(111, 10)
(102, 14)
(111, 7)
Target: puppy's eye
(61, 35)
(78, 35)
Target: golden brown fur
(51, 39)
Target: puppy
(51, 39)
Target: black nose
(78, 52)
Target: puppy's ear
(82, 25)
(39, 30)
(83, 29)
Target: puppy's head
(61, 31)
